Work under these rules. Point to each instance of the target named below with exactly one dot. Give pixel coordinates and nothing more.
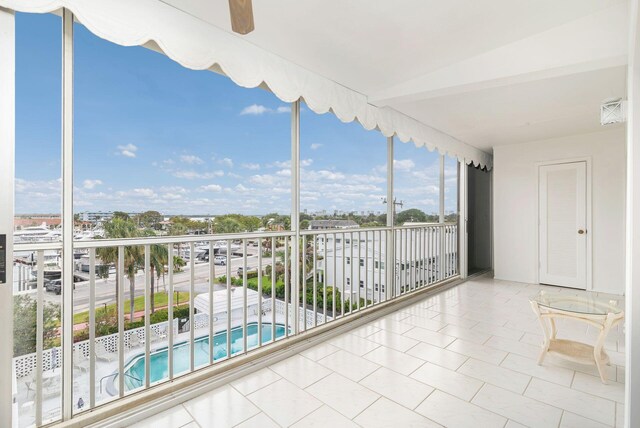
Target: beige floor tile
(446, 380)
(452, 412)
(571, 420)
(325, 417)
(394, 360)
(479, 352)
(250, 383)
(319, 351)
(435, 354)
(300, 370)
(393, 340)
(547, 371)
(343, 395)
(174, 417)
(258, 421)
(396, 387)
(283, 402)
(212, 409)
(527, 411)
(495, 375)
(430, 337)
(574, 401)
(349, 365)
(354, 344)
(386, 414)
(465, 334)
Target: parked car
(220, 260)
(54, 285)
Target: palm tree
(158, 257)
(119, 228)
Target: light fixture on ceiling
(241, 12)
(612, 111)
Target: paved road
(105, 288)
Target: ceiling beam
(590, 43)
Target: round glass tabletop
(588, 303)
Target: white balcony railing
(240, 298)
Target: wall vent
(612, 111)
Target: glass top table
(597, 310)
(585, 303)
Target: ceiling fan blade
(241, 16)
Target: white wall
(515, 183)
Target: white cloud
(255, 110)
(190, 175)
(90, 184)
(212, 188)
(258, 109)
(128, 150)
(241, 188)
(227, 162)
(143, 192)
(403, 164)
(287, 164)
(251, 166)
(171, 196)
(191, 159)
(316, 146)
(263, 180)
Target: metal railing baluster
(286, 285)
(192, 320)
(259, 292)
(39, 334)
(92, 328)
(121, 310)
(212, 282)
(228, 266)
(171, 255)
(315, 280)
(244, 296)
(273, 289)
(303, 261)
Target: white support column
(7, 178)
(441, 248)
(463, 217)
(295, 210)
(441, 189)
(67, 214)
(390, 271)
(632, 312)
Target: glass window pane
(151, 135)
(37, 207)
(342, 173)
(450, 189)
(416, 183)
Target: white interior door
(563, 221)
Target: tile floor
(462, 358)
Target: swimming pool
(159, 369)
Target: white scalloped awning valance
(197, 45)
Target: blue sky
(150, 134)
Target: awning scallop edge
(198, 45)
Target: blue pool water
(159, 368)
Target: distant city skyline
(150, 134)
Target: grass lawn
(161, 299)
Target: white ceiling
(488, 72)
